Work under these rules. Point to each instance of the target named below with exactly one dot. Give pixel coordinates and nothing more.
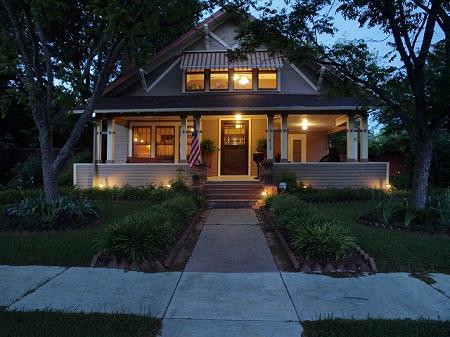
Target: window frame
(157, 143)
(146, 144)
(262, 71)
(186, 73)
(251, 81)
(220, 72)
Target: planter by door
(234, 148)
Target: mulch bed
(369, 221)
(169, 260)
(355, 263)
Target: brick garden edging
(153, 265)
(308, 267)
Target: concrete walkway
(231, 241)
(224, 304)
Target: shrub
(310, 194)
(311, 235)
(36, 214)
(261, 145)
(27, 174)
(290, 178)
(207, 146)
(144, 236)
(320, 241)
(439, 206)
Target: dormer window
(195, 80)
(218, 80)
(267, 80)
(242, 80)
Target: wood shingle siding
(323, 175)
(110, 175)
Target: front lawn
(375, 328)
(56, 324)
(72, 248)
(392, 250)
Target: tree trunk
(51, 188)
(424, 150)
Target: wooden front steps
(233, 194)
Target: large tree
(415, 94)
(65, 52)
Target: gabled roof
(153, 61)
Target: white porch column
(284, 138)
(110, 139)
(364, 139)
(270, 136)
(97, 143)
(352, 139)
(198, 127)
(183, 139)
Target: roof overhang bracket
(142, 74)
(320, 80)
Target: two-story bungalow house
(145, 118)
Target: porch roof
(212, 102)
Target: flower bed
(34, 214)
(140, 241)
(395, 213)
(315, 243)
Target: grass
(72, 248)
(376, 328)
(392, 250)
(57, 324)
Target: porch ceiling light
(238, 117)
(305, 124)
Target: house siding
(121, 144)
(210, 130)
(323, 175)
(109, 175)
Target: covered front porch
(149, 149)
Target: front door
(234, 148)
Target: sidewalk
(206, 301)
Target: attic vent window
(195, 80)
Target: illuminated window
(165, 143)
(218, 81)
(243, 80)
(195, 81)
(267, 79)
(142, 141)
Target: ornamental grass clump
(311, 236)
(144, 236)
(34, 213)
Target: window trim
(186, 73)
(267, 72)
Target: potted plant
(207, 147)
(261, 146)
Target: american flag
(195, 149)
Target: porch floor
(232, 178)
